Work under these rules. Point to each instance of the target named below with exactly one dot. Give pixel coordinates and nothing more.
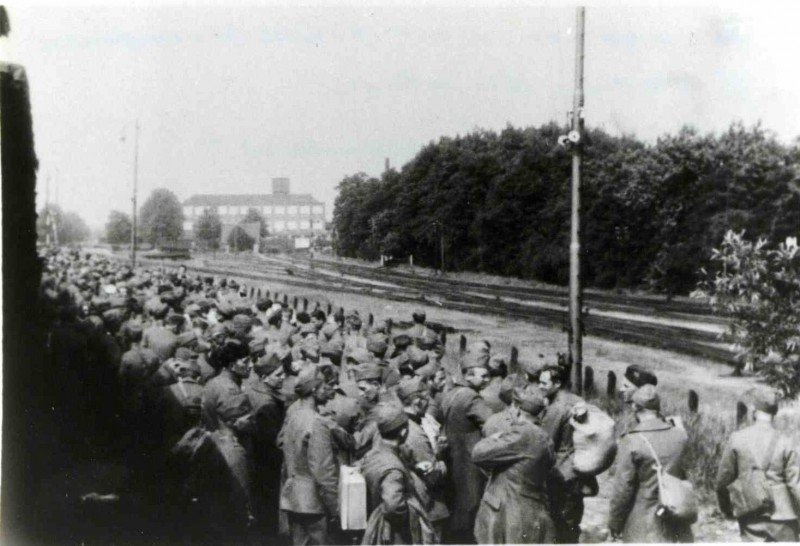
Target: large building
(285, 213)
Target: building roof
(251, 200)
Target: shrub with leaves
(759, 288)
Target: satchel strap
(652, 451)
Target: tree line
(652, 213)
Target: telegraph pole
(133, 199)
(575, 289)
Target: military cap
(233, 284)
(134, 328)
(369, 372)
(418, 316)
(401, 341)
(241, 321)
(257, 345)
(477, 356)
(268, 363)
(427, 371)
(176, 320)
(390, 418)
(225, 309)
(218, 329)
(640, 376)
(427, 340)
(307, 328)
(646, 397)
(232, 351)
(182, 353)
(763, 399)
(417, 357)
(377, 345)
(307, 381)
(232, 407)
(345, 410)
(529, 400)
(409, 388)
(497, 363)
(360, 356)
(329, 329)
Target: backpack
(750, 493)
(593, 440)
(676, 497)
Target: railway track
(452, 295)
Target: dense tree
(161, 217)
(69, 226)
(118, 228)
(239, 240)
(254, 216)
(651, 213)
(208, 229)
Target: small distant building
(294, 215)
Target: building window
(266, 210)
(280, 210)
(305, 209)
(187, 226)
(280, 225)
(317, 225)
(223, 209)
(292, 210)
(198, 211)
(305, 224)
(318, 209)
(292, 224)
(187, 211)
(243, 210)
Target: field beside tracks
(716, 388)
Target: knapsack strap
(652, 451)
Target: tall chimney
(387, 165)
(280, 186)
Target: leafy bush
(760, 289)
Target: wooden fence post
(286, 299)
(462, 344)
(370, 320)
(294, 303)
(444, 337)
(741, 413)
(305, 304)
(588, 380)
(611, 386)
(329, 309)
(513, 360)
(259, 293)
(267, 291)
(694, 401)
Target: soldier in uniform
(233, 356)
(498, 369)
(465, 413)
(635, 376)
(310, 494)
(565, 488)
(634, 501)
(136, 367)
(514, 505)
(179, 403)
(422, 445)
(761, 445)
(163, 340)
(396, 514)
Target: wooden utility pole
(133, 199)
(575, 289)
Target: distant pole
(133, 199)
(441, 245)
(575, 291)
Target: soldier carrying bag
(751, 493)
(676, 497)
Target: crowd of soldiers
(238, 412)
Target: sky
(229, 97)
